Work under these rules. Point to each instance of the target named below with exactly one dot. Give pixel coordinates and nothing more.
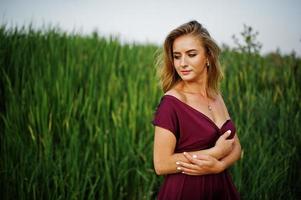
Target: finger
(188, 156)
(195, 156)
(192, 171)
(195, 174)
(226, 134)
(207, 163)
(205, 160)
(193, 159)
(192, 174)
(231, 140)
(197, 160)
(187, 165)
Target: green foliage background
(76, 113)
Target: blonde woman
(195, 139)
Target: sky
(150, 21)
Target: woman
(195, 140)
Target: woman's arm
(205, 164)
(234, 155)
(165, 159)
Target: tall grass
(76, 112)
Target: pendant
(209, 107)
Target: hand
(200, 165)
(223, 145)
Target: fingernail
(178, 168)
(194, 156)
(184, 153)
(177, 163)
(229, 131)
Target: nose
(183, 61)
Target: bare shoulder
(176, 93)
(220, 99)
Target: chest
(214, 110)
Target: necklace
(208, 104)
(209, 107)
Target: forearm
(233, 156)
(169, 166)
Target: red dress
(194, 131)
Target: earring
(207, 63)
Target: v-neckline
(205, 116)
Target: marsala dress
(194, 131)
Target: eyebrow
(175, 52)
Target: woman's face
(189, 58)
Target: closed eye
(176, 57)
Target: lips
(185, 72)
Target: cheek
(177, 69)
(176, 63)
(200, 63)
(197, 60)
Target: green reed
(76, 113)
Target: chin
(188, 78)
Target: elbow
(160, 167)
(158, 172)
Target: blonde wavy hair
(166, 70)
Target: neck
(196, 87)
